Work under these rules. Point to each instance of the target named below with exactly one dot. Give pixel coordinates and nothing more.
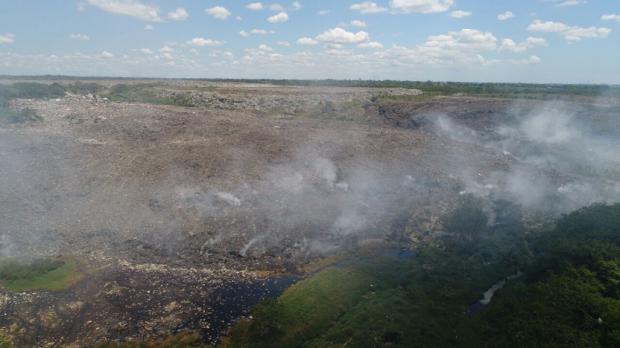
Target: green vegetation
(569, 296)
(182, 340)
(305, 309)
(468, 220)
(25, 90)
(135, 93)
(523, 90)
(50, 274)
(31, 90)
(18, 116)
(573, 287)
(5, 342)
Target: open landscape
(164, 211)
(309, 174)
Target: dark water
(234, 300)
(399, 253)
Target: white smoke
(558, 161)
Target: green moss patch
(51, 274)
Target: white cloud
(358, 23)
(436, 58)
(260, 54)
(463, 40)
(166, 49)
(200, 42)
(611, 17)
(530, 42)
(146, 51)
(533, 60)
(254, 6)
(324, 12)
(261, 50)
(167, 56)
(460, 14)
(256, 32)
(456, 47)
(218, 12)
(7, 39)
(527, 61)
(307, 41)
(276, 7)
(280, 17)
(562, 3)
(180, 14)
(421, 6)
(78, 36)
(371, 45)
(548, 27)
(335, 49)
(505, 16)
(261, 32)
(149, 27)
(296, 5)
(106, 54)
(368, 7)
(131, 8)
(570, 33)
(284, 43)
(339, 35)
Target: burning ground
(169, 193)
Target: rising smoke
(550, 160)
(561, 158)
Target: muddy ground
(168, 205)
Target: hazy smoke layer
(561, 159)
(310, 200)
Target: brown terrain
(184, 217)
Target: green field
(49, 274)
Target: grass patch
(303, 311)
(181, 340)
(12, 116)
(5, 342)
(49, 274)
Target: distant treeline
(32, 90)
(427, 86)
(454, 87)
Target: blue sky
(560, 41)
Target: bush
(11, 271)
(25, 90)
(31, 90)
(468, 220)
(18, 116)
